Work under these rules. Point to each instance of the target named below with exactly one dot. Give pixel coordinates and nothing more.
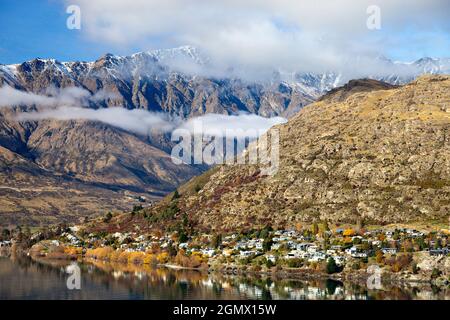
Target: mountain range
(52, 170)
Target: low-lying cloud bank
(137, 120)
(241, 125)
(67, 104)
(144, 122)
(70, 96)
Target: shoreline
(357, 277)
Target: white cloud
(67, 104)
(70, 96)
(241, 125)
(10, 97)
(136, 120)
(256, 36)
(144, 122)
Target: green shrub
(295, 263)
(332, 266)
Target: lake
(24, 278)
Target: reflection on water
(22, 278)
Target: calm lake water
(23, 278)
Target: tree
(185, 220)
(264, 234)
(332, 266)
(315, 228)
(379, 256)
(108, 217)
(295, 263)
(176, 195)
(6, 234)
(269, 263)
(437, 244)
(436, 273)
(267, 244)
(216, 241)
(137, 208)
(326, 241)
(172, 251)
(182, 236)
(27, 231)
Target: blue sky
(37, 28)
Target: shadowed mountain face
(379, 154)
(60, 170)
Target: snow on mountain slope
(165, 63)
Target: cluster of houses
(290, 244)
(284, 244)
(313, 253)
(279, 245)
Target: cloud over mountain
(257, 36)
(67, 104)
(70, 96)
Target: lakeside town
(313, 250)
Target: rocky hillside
(61, 171)
(379, 155)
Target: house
(356, 252)
(55, 243)
(304, 246)
(294, 254)
(317, 257)
(340, 260)
(376, 243)
(164, 245)
(74, 228)
(183, 245)
(241, 245)
(271, 258)
(389, 250)
(389, 234)
(275, 246)
(291, 244)
(208, 252)
(140, 238)
(291, 233)
(439, 252)
(248, 253)
(312, 249)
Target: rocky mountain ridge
(379, 155)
